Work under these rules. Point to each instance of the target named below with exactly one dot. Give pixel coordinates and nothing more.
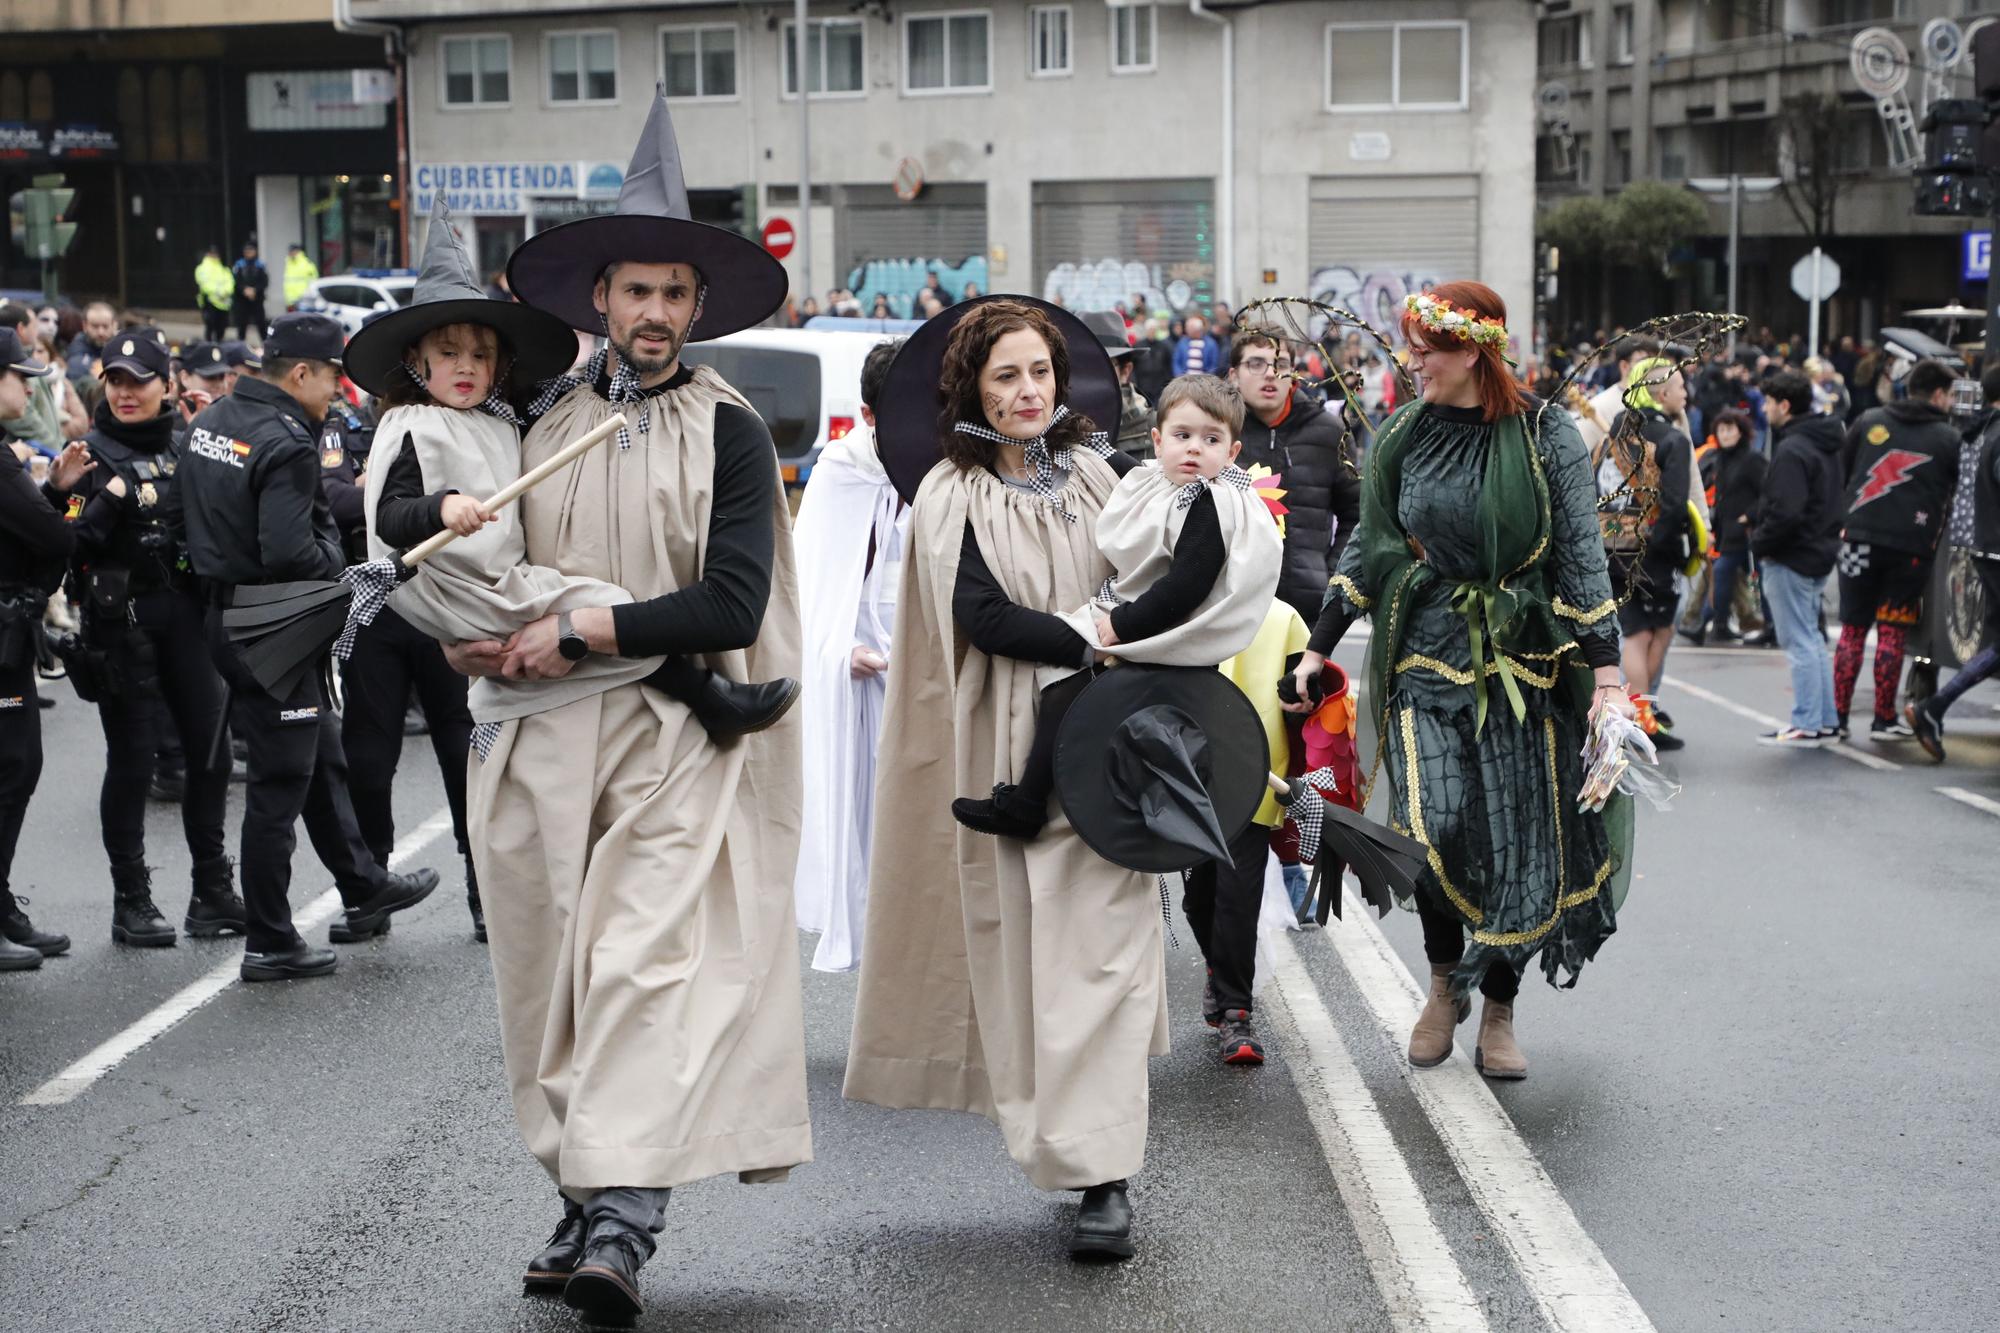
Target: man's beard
(641, 365)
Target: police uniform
(34, 543)
(255, 514)
(142, 651)
(391, 661)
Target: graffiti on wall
(1104, 283)
(1376, 295)
(901, 279)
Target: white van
(805, 383)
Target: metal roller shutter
(1098, 243)
(1372, 240)
(947, 225)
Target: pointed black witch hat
(557, 269)
(448, 291)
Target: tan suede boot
(1496, 1055)
(1430, 1039)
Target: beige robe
(1019, 980)
(636, 877)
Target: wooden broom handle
(521, 485)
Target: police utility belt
(20, 621)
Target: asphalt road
(1767, 1105)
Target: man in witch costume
(637, 873)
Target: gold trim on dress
(1411, 783)
(1590, 617)
(1463, 676)
(1352, 592)
(1563, 904)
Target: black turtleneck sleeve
(405, 515)
(1198, 557)
(724, 609)
(1001, 627)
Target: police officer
(392, 661)
(143, 646)
(205, 376)
(34, 543)
(255, 513)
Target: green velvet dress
(1491, 789)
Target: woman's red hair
(1500, 394)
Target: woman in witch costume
(1478, 558)
(1018, 980)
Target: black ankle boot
(605, 1285)
(472, 902)
(15, 928)
(134, 919)
(1104, 1223)
(549, 1270)
(728, 708)
(214, 909)
(18, 957)
(1008, 814)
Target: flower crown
(1442, 317)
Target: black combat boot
(728, 708)
(15, 928)
(472, 902)
(1103, 1223)
(605, 1285)
(549, 1270)
(214, 909)
(372, 917)
(134, 919)
(18, 957)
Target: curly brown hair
(965, 355)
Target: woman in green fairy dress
(1480, 562)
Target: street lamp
(1735, 186)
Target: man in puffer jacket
(1795, 539)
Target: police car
(353, 297)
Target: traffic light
(37, 217)
(1955, 180)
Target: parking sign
(1978, 255)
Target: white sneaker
(1791, 738)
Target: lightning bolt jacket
(1902, 463)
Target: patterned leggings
(1889, 641)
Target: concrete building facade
(1082, 151)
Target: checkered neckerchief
(1043, 461)
(625, 388)
(484, 736)
(1194, 490)
(496, 404)
(371, 583)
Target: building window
(698, 63)
(1672, 144)
(1563, 41)
(1396, 67)
(1135, 31)
(1048, 40)
(1621, 158)
(948, 53)
(835, 50)
(582, 67)
(1621, 35)
(478, 71)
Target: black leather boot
(214, 909)
(15, 928)
(134, 919)
(18, 957)
(472, 902)
(605, 1285)
(1103, 1223)
(1008, 814)
(372, 917)
(549, 1270)
(728, 708)
(301, 960)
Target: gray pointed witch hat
(448, 291)
(557, 269)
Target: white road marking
(1411, 1261)
(1971, 798)
(1574, 1285)
(76, 1079)
(1845, 751)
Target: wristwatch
(568, 642)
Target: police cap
(306, 337)
(17, 358)
(238, 356)
(141, 353)
(204, 359)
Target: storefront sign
(316, 99)
(1977, 256)
(40, 141)
(495, 189)
(546, 213)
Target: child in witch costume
(440, 366)
(1197, 559)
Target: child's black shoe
(1008, 814)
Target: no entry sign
(779, 238)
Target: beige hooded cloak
(1019, 980)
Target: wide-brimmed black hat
(1159, 767)
(906, 424)
(449, 291)
(557, 269)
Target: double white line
(1569, 1278)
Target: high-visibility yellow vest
(300, 273)
(215, 283)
